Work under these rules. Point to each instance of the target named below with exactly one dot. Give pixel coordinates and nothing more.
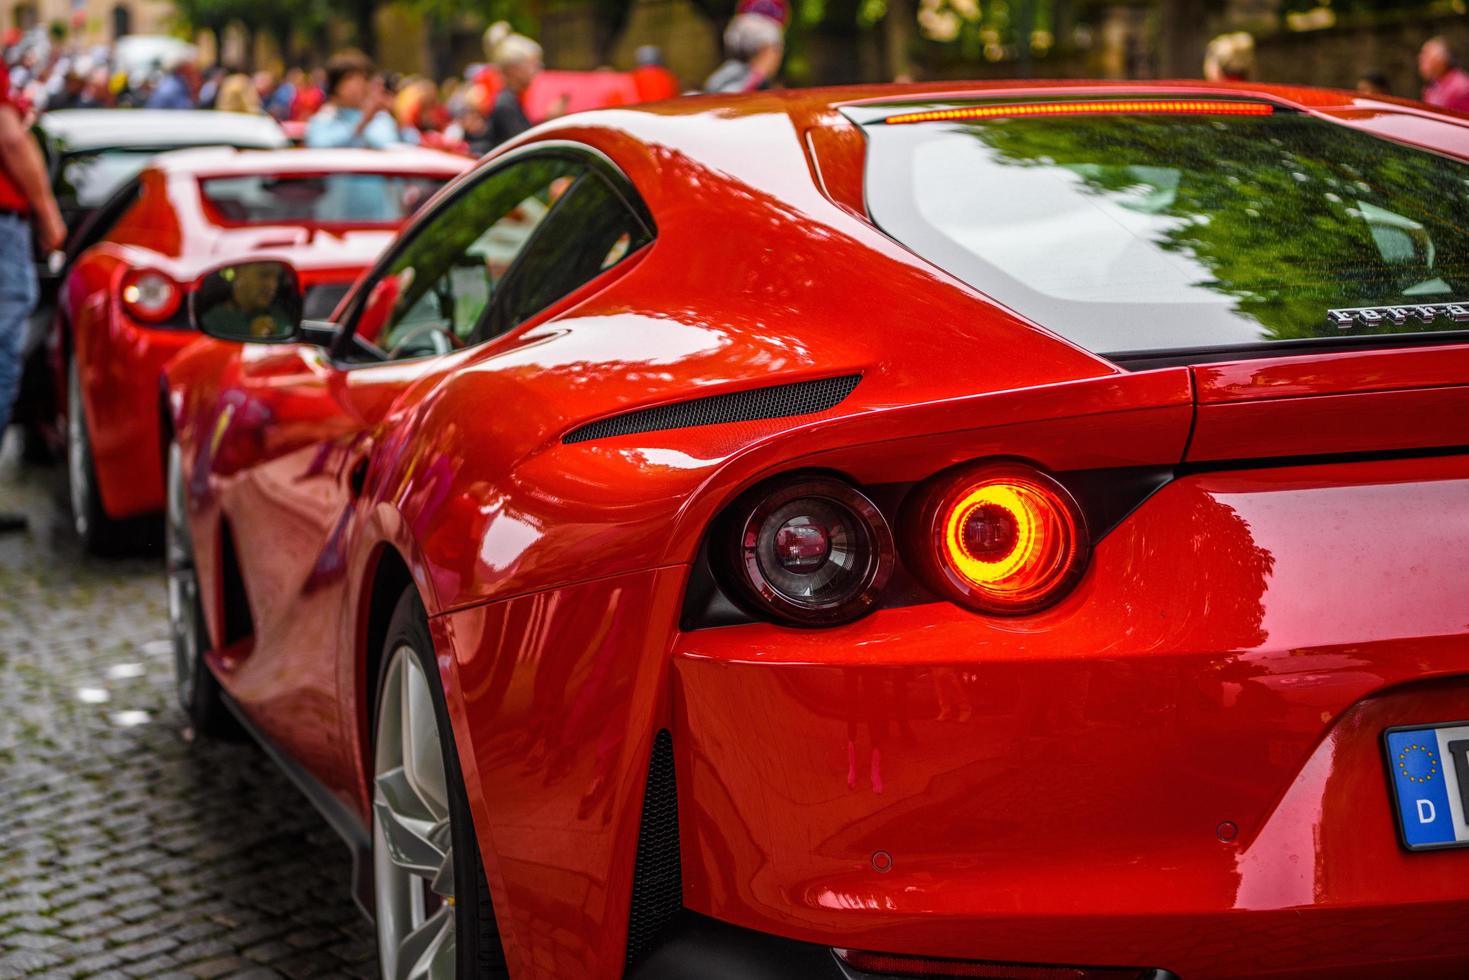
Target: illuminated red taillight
(892, 965)
(811, 551)
(1000, 538)
(1177, 107)
(150, 296)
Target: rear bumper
(1180, 766)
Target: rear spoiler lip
(1394, 400)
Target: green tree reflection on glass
(1291, 216)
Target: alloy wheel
(413, 855)
(184, 610)
(78, 453)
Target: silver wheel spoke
(408, 828)
(428, 951)
(423, 760)
(76, 449)
(443, 882)
(183, 583)
(413, 855)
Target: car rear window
(340, 198)
(85, 180)
(1157, 231)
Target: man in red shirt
(25, 198)
(1447, 84)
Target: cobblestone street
(125, 850)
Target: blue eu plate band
(1428, 771)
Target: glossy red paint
(171, 230)
(1055, 784)
(1052, 786)
(1363, 401)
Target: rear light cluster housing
(1000, 538)
(812, 551)
(150, 296)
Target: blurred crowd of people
(348, 102)
(345, 102)
(1231, 57)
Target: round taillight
(812, 551)
(999, 538)
(150, 296)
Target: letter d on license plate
(1429, 772)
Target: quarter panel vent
(657, 883)
(773, 402)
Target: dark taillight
(150, 296)
(810, 551)
(1000, 538)
(893, 965)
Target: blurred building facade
(94, 21)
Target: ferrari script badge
(1371, 316)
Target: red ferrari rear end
(1192, 696)
(125, 299)
(1018, 533)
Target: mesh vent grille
(657, 883)
(775, 402)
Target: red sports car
(123, 309)
(995, 531)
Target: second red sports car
(123, 310)
(1009, 531)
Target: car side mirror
(248, 302)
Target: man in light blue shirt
(175, 89)
(357, 108)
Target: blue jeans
(17, 299)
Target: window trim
(495, 310)
(594, 159)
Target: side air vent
(657, 882)
(774, 402)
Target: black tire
(34, 447)
(198, 690)
(100, 534)
(480, 955)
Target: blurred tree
(287, 21)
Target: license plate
(1429, 771)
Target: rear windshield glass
(1162, 232)
(85, 180)
(342, 198)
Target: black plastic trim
(749, 405)
(697, 946)
(657, 883)
(1321, 459)
(341, 819)
(1149, 360)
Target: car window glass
(591, 230)
(434, 293)
(85, 180)
(348, 198)
(1173, 232)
